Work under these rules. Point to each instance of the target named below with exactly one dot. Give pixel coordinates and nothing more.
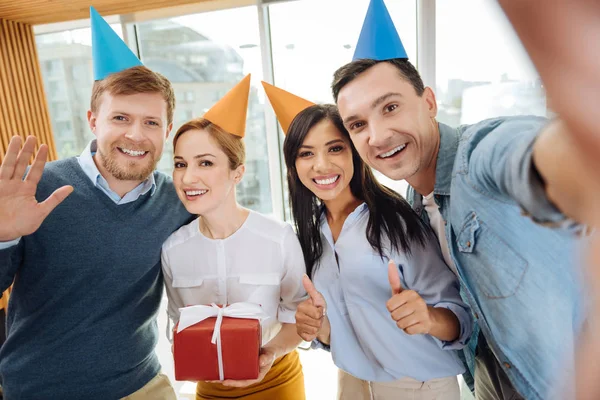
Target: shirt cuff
(11, 243)
(534, 200)
(317, 344)
(286, 316)
(466, 327)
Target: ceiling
(36, 12)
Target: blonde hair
(133, 81)
(232, 145)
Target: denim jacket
(518, 276)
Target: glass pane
(67, 70)
(304, 60)
(482, 70)
(310, 40)
(204, 57)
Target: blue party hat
(378, 39)
(109, 52)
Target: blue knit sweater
(88, 284)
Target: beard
(133, 170)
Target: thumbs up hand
(316, 298)
(311, 320)
(407, 307)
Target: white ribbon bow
(192, 315)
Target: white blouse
(260, 263)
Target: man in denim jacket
(485, 197)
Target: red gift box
(196, 357)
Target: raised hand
(20, 212)
(311, 313)
(407, 307)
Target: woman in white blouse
(231, 254)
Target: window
(198, 59)
(482, 70)
(304, 60)
(203, 60)
(56, 90)
(81, 72)
(66, 63)
(53, 67)
(188, 97)
(308, 46)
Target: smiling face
(324, 161)
(205, 175)
(392, 127)
(131, 131)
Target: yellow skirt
(285, 380)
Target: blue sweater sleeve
(10, 260)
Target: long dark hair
(390, 216)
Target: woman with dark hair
(370, 257)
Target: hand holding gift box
(218, 343)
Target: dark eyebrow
(326, 144)
(375, 103)
(196, 157)
(350, 119)
(383, 98)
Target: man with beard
(81, 238)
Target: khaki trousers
(351, 388)
(159, 388)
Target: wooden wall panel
(23, 105)
(44, 12)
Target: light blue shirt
(519, 277)
(365, 341)
(88, 165)
(86, 161)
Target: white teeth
(392, 152)
(195, 192)
(327, 181)
(132, 152)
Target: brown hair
(346, 74)
(133, 81)
(232, 145)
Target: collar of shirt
(449, 138)
(86, 161)
(350, 220)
